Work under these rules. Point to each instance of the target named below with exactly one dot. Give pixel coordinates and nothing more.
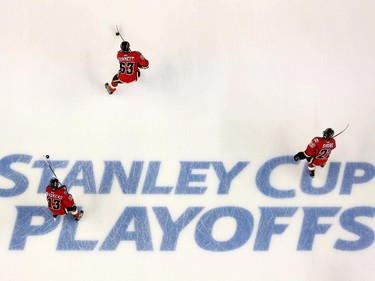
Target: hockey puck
(117, 33)
(47, 156)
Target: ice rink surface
(229, 82)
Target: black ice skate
(312, 173)
(107, 88)
(80, 214)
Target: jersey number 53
(127, 67)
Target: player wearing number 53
(130, 63)
(60, 202)
(318, 151)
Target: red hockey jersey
(59, 200)
(320, 149)
(129, 65)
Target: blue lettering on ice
(227, 177)
(21, 182)
(351, 178)
(87, 180)
(149, 186)
(114, 169)
(268, 227)
(331, 181)
(186, 176)
(203, 232)
(82, 174)
(141, 234)
(67, 240)
(365, 234)
(171, 229)
(310, 226)
(263, 177)
(47, 174)
(23, 227)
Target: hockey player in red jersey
(318, 151)
(60, 202)
(130, 63)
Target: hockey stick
(341, 131)
(47, 162)
(119, 34)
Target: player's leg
(111, 88)
(74, 211)
(79, 215)
(311, 168)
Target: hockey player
(318, 151)
(130, 63)
(60, 202)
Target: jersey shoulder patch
(313, 142)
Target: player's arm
(143, 62)
(68, 203)
(71, 209)
(303, 155)
(310, 152)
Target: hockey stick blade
(341, 131)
